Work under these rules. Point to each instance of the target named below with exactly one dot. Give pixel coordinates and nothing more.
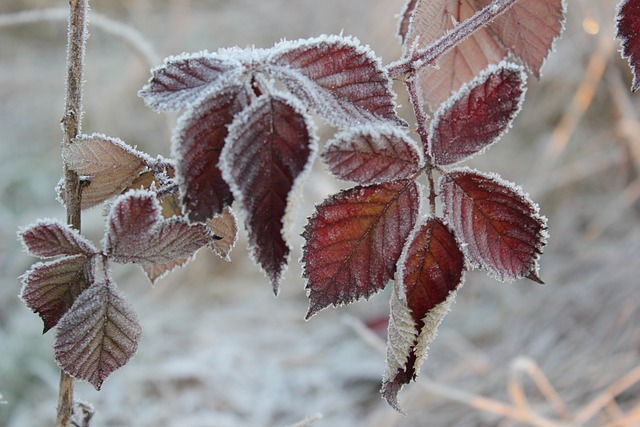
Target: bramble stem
(429, 54)
(76, 40)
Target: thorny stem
(435, 50)
(76, 39)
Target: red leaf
(430, 268)
(342, 80)
(182, 79)
(408, 343)
(50, 238)
(628, 22)
(353, 242)
(529, 29)
(371, 155)
(107, 165)
(98, 335)
(154, 272)
(50, 288)
(429, 272)
(270, 144)
(431, 20)
(478, 115)
(197, 144)
(137, 232)
(500, 226)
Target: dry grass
(218, 350)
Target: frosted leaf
(50, 238)
(431, 20)
(137, 233)
(197, 144)
(407, 345)
(430, 270)
(354, 239)
(98, 335)
(373, 154)
(270, 147)
(500, 226)
(182, 79)
(107, 166)
(154, 272)
(627, 24)
(529, 29)
(478, 115)
(343, 81)
(50, 288)
(224, 226)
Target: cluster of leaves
(246, 134)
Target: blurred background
(219, 350)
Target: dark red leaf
(628, 32)
(353, 242)
(98, 335)
(478, 115)
(182, 79)
(197, 144)
(429, 272)
(500, 226)
(432, 20)
(430, 268)
(270, 144)
(342, 80)
(373, 154)
(50, 238)
(50, 288)
(137, 232)
(529, 29)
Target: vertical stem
(76, 39)
(413, 87)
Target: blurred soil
(219, 350)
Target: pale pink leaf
(627, 31)
(50, 238)
(431, 20)
(107, 166)
(197, 144)
(270, 145)
(182, 79)
(224, 225)
(354, 239)
(338, 77)
(529, 29)
(478, 115)
(50, 288)
(154, 272)
(501, 228)
(136, 232)
(98, 335)
(373, 154)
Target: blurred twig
(307, 421)
(128, 34)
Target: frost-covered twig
(76, 41)
(435, 50)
